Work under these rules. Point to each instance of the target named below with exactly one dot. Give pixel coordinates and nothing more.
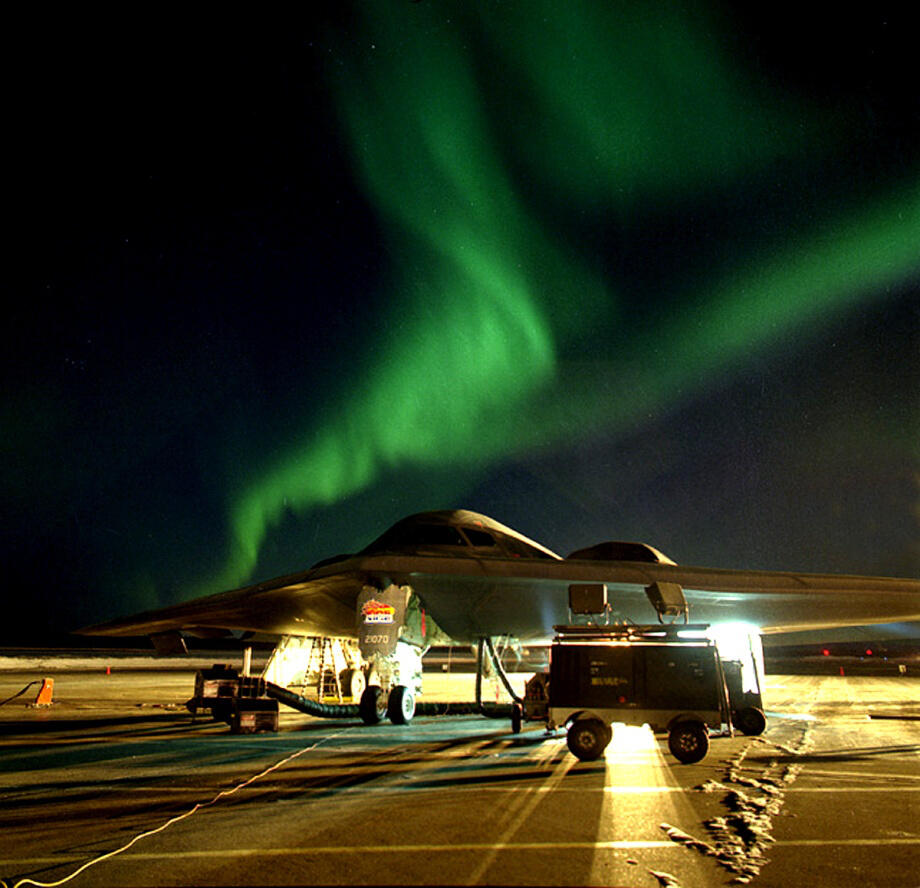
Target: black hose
(455, 708)
(311, 707)
(479, 675)
(501, 671)
(492, 710)
(20, 693)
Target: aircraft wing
(470, 597)
(299, 604)
(772, 601)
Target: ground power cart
(640, 676)
(670, 677)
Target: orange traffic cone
(45, 693)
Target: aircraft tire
(400, 705)
(372, 707)
(587, 738)
(353, 683)
(689, 741)
(751, 721)
(517, 717)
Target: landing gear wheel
(401, 705)
(751, 721)
(587, 738)
(517, 717)
(353, 683)
(689, 741)
(372, 707)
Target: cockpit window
(479, 537)
(438, 535)
(519, 549)
(410, 535)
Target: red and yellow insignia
(375, 611)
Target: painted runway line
(472, 847)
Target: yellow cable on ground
(143, 835)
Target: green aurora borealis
(598, 269)
(475, 135)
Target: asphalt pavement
(116, 784)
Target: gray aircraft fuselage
(476, 577)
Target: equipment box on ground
(667, 677)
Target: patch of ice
(711, 786)
(741, 837)
(666, 880)
(678, 835)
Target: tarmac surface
(116, 784)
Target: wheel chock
(45, 693)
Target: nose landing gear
(398, 706)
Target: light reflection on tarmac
(829, 796)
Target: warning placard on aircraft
(380, 615)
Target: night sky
(598, 270)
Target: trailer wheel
(517, 717)
(400, 705)
(372, 707)
(587, 738)
(751, 721)
(689, 741)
